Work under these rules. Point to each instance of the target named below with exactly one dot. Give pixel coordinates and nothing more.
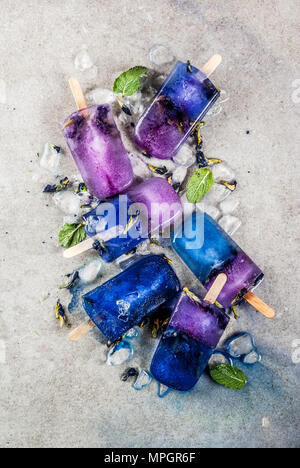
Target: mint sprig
(71, 234)
(199, 184)
(129, 82)
(228, 376)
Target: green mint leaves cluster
(228, 376)
(128, 82)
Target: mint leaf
(228, 376)
(71, 234)
(129, 82)
(199, 184)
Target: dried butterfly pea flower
(130, 372)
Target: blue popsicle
(107, 215)
(193, 333)
(214, 253)
(135, 294)
(184, 98)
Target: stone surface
(56, 393)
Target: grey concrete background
(54, 393)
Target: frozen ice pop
(144, 209)
(97, 148)
(162, 204)
(183, 100)
(193, 333)
(218, 253)
(127, 299)
(116, 212)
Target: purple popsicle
(98, 151)
(202, 321)
(183, 100)
(162, 204)
(243, 275)
(184, 350)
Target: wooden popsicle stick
(82, 330)
(259, 305)
(216, 288)
(212, 65)
(79, 248)
(77, 93)
(89, 243)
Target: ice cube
(68, 202)
(119, 354)
(229, 205)
(179, 175)
(265, 422)
(230, 224)
(134, 102)
(223, 171)
(217, 194)
(211, 210)
(143, 248)
(140, 168)
(89, 272)
(70, 219)
(188, 208)
(83, 61)
(252, 358)
(161, 55)
(101, 96)
(162, 390)
(240, 345)
(143, 380)
(132, 333)
(123, 307)
(219, 357)
(50, 159)
(186, 156)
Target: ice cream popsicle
(214, 253)
(194, 331)
(144, 209)
(130, 297)
(183, 100)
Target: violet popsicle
(135, 294)
(217, 253)
(193, 333)
(162, 204)
(98, 151)
(183, 100)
